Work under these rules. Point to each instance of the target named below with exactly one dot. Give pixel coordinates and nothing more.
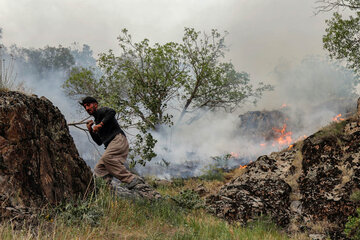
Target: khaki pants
(113, 159)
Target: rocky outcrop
(260, 124)
(305, 188)
(39, 162)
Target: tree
(41, 61)
(342, 38)
(145, 82)
(330, 5)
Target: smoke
(310, 94)
(314, 91)
(36, 77)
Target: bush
(83, 211)
(216, 171)
(178, 182)
(212, 173)
(352, 227)
(188, 199)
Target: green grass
(104, 216)
(334, 129)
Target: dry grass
(129, 219)
(292, 179)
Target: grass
(334, 129)
(105, 216)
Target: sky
(262, 33)
(277, 42)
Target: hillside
(306, 188)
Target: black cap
(88, 100)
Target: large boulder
(305, 188)
(39, 163)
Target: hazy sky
(262, 33)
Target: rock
(201, 190)
(39, 163)
(317, 236)
(140, 191)
(146, 191)
(252, 195)
(306, 188)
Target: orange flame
(242, 166)
(338, 118)
(284, 137)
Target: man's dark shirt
(110, 128)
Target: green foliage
(352, 227)
(212, 172)
(342, 35)
(41, 61)
(188, 199)
(334, 129)
(144, 82)
(81, 212)
(216, 171)
(341, 39)
(136, 219)
(178, 182)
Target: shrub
(212, 173)
(178, 182)
(75, 213)
(352, 227)
(216, 171)
(188, 199)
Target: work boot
(139, 186)
(134, 182)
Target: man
(108, 132)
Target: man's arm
(108, 115)
(93, 135)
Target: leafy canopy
(145, 82)
(342, 34)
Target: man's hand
(97, 127)
(89, 125)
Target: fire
(242, 166)
(284, 137)
(338, 118)
(234, 155)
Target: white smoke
(314, 90)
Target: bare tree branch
(330, 5)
